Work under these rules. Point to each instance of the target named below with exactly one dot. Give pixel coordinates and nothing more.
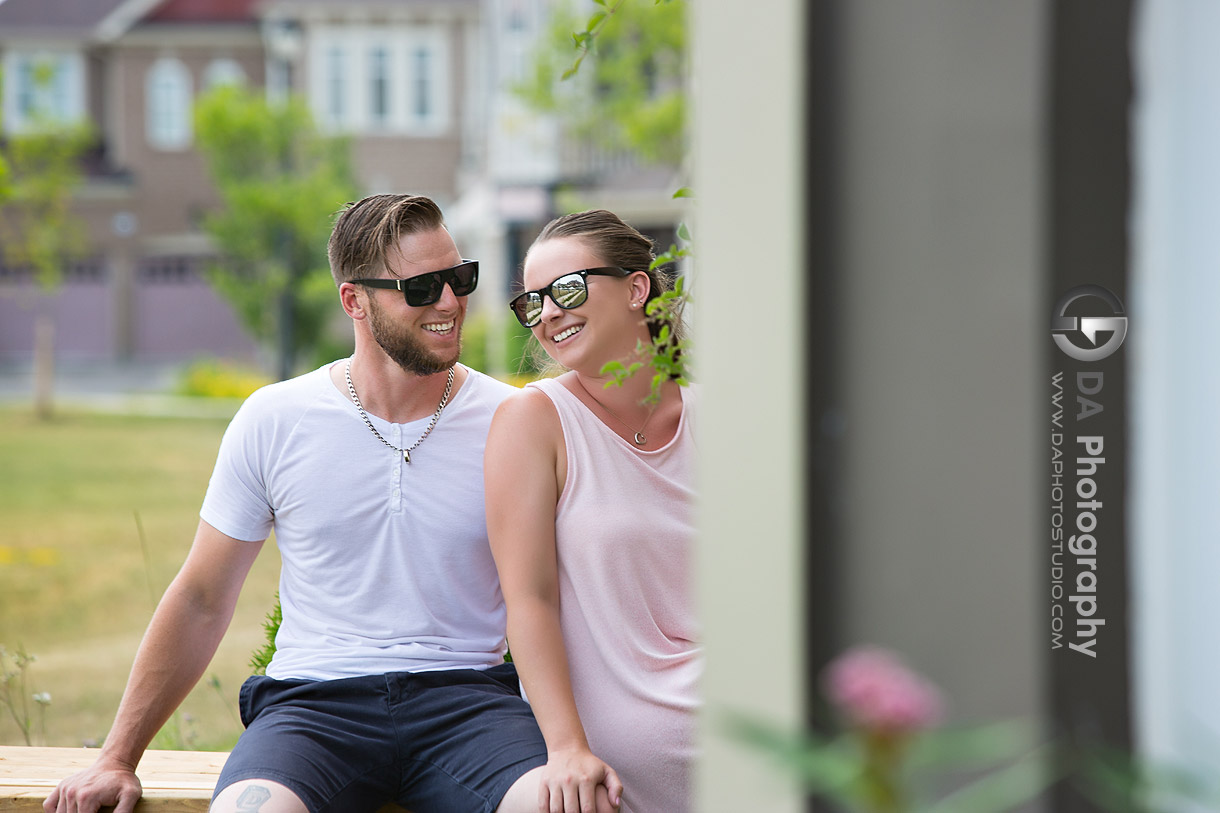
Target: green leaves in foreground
(666, 353)
(15, 694)
(998, 767)
(262, 656)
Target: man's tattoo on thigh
(252, 798)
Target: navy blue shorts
(450, 741)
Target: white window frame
(433, 41)
(387, 118)
(168, 99)
(337, 76)
(64, 103)
(355, 85)
(224, 71)
(279, 78)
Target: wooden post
(44, 362)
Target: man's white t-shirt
(386, 564)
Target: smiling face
(604, 327)
(424, 340)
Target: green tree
(280, 181)
(4, 179)
(5, 191)
(40, 171)
(632, 95)
(633, 98)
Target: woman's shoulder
(530, 407)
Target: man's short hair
(367, 230)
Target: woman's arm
(523, 471)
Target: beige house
(397, 77)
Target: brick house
(420, 86)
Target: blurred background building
(423, 89)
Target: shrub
(214, 378)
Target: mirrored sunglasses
(569, 291)
(424, 289)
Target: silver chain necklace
(640, 438)
(406, 453)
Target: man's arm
(186, 628)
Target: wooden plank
(174, 781)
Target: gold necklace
(640, 438)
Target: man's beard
(404, 349)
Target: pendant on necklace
(406, 456)
(640, 439)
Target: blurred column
(1088, 203)
(749, 230)
(493, 280)
(122, 261)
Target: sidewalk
(128, 388)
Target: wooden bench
(174, 781)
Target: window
(279, 79)
(421, 84)
(427, 81)
(389, 79)
(168, 105)
(223, 72)
(284, 41)
(379, 86)
(42, 86)
(515, 16)
(336, 85)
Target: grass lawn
(96, 514)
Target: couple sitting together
(424, 512)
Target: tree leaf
(570, 72)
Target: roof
(202, 11)
(107, 19)
(65, 17)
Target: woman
(589, 497)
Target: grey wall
(942, 277)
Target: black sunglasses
(424, 289)
(569, 291)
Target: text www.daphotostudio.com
(1078, 455)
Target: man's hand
(102, 785)
(576, 781)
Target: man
(388, 682)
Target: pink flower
(877, 692)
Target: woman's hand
(576, 781)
